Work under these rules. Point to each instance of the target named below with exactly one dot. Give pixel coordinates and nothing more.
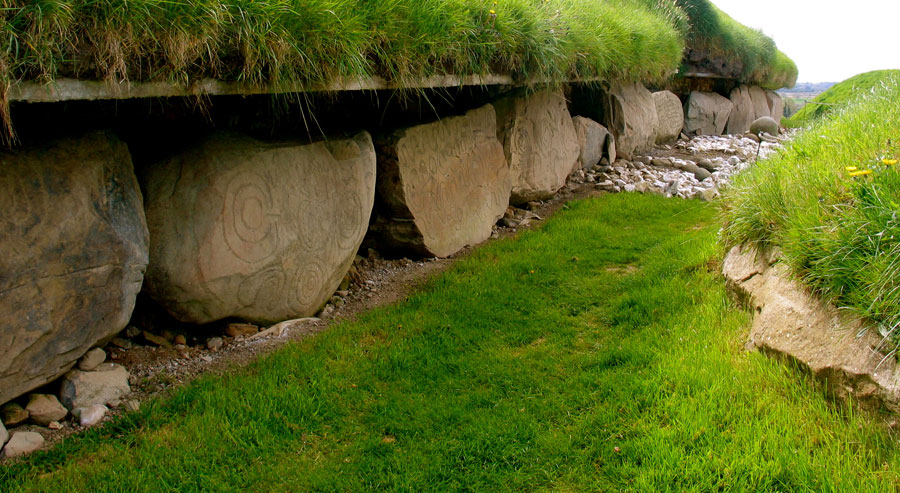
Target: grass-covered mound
(599, 353)
(316, 41)
(714, 32)
(831, 202)
(842, 94)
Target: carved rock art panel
(671, 116)
(539, 141)
(74, 243)
(445, 184)
(260, 231)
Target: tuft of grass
(842, 94)
(600, 352)
(831, 202)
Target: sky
(830, 40)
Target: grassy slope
(842, 94)
(598, 353)
(841, 233)
(715, 32)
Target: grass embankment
(600, 352)
(842, 94)
(831, 202)
(714, 32)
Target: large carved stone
(74, 245)
(760, 102)
(259, 231)
(539, 142)
(706, 113)
(630, 114)
(443, 184)
(594, 142)
(743, 113)
(671, 116)
(776, 105)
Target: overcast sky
(830, 40)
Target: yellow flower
(889, 162)
(861, 173)
(851, 168)
(492, 12)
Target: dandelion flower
(861, 173)
(492, 12)
(851, 168)
(889, 162)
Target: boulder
(74, 245)
(92, 359)
(760, 102)
(443, 184)
(45, 408)
(12, 414)
(706, 113)
(22, 443)
(670, 112)
(4, 435)
(776, 105)
(743, 113)
(255, 230)
(841, 350)
(91, 415)
(764, 125)
(630, 114)
(86, 388)
(539, 142)
(594, 142)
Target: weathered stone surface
(706, 113)
(74, 245)
(790, 322)
(45, 408)
(743, 113)
(760, 102)
(444, 184)
(764, 124)
(594, 142)
(86, 388)
(92, 359)
(22, 443)
(13, 414)
(630, 114)
(91, 415)
(539, 142)
(776, 105)
(259, 231)
(670, 113)
(4, 435)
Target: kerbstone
(256, 230)
(706, 113)
(594, 142)
(630, 114)
(743, 113)
(670, 113)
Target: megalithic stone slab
(630, 114)
(259, 231)
(443, 184)
(760, 102)
(743, 113)
(706, 113)
(594, 142)
(671, 116)
(539, 141)
(74, 243)
(776, 105)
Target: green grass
(842, 94)
(599, 352)
(841, 234)
(714, 32)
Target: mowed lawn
(598, 352)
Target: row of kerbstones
(235, 227)
(709, 113)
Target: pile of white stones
(663, 173)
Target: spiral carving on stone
(262, 290)
(308, 282)
(250, 219)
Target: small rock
(55, 425)
(44, 408)
(168, 335)
(629, 187)
(180, 339)
(89, 416)
(345, 282)
(645, 160)
(122, 343)
(114, 403)
(13, 414)
(707, 164)
(337, 301)
(22, 443)
(662, 162)
(238, 329)
(86, 388)
(132, 405)
(328, 310)
(215, 343)
(92, 359)
(131, 332)
(509, 222)
(765, 124)
(698, 172)
(155, 339)
(342, 293)
(4, 435)
(752, 137)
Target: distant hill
(808, 87)
(841, 94)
